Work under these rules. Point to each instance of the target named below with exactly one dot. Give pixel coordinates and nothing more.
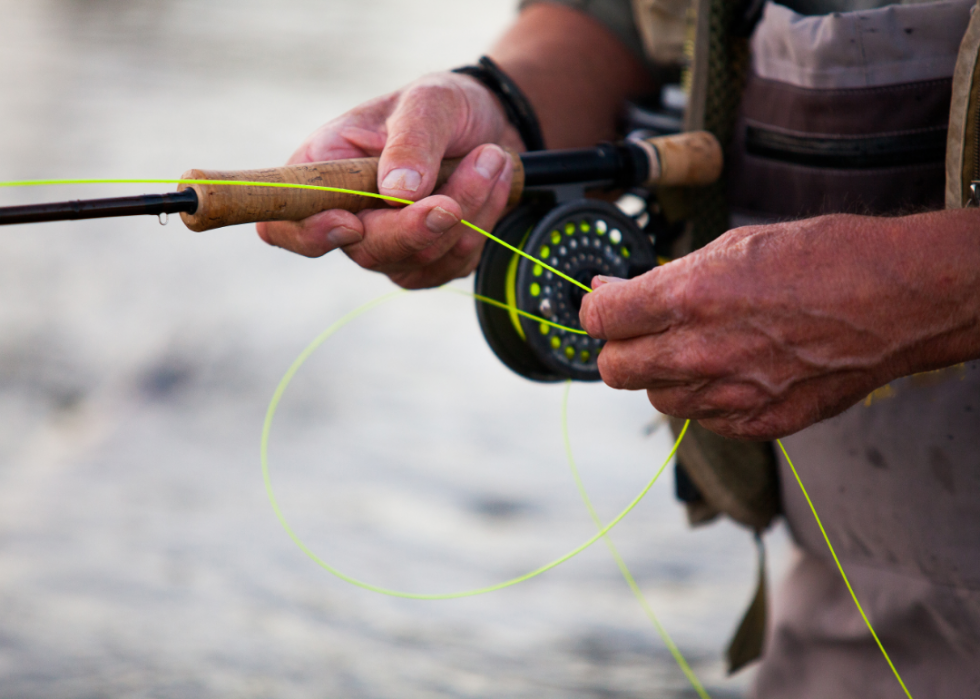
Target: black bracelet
(519, 111)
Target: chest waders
(829, 160)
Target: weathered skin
(766, 331)
(442, 115)
(770, 329)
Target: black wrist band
(519, 111)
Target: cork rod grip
(691, 159)
(226, 205)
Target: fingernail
(599, 280)
(404, 179)
(439, 220)
(490, 162)
(341, 236)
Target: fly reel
(582, 238)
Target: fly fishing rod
(550, 220)
(683, 159)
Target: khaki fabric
(896, 481)
(898, 44)
(662, 25)
(616, 15)
(736, 478)
(876, 77)
(963, 142)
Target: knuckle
(689, 296)
(417, 242)
(427, 102)
(363, 258)
(408, 246)
(471, 198)
(467, 246)
(292, 238)
(590, 315)
(427, 256)
(614, 372)
(431, 91)
(667, 402)
(691, 363)
(408, 280)
(264, 234)
(410, 139)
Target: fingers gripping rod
(687, 159)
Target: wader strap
(963, 145)
(717, 77)
(746, 644)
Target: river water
(139, 555)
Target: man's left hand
(770, 329)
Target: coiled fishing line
(603, 530)
(264, 451)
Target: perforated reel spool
(582, 238)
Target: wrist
(484, 105)
(934, 260)
(513, 104)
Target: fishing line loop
(603, 531)
(264, 455)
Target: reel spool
(582, 238)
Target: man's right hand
(443, 115)
(577, 94)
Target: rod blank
(685, 159)
(146, 204)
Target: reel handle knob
(227, 205)
(690, 159)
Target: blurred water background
(139, 556)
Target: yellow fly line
(264, 451)
(603, 530)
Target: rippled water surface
(138, 553)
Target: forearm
(573, 70)
(772, 328)
(935, 259)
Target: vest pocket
(804, 152)
(848, 152)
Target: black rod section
(146, 204)
(614, 164)
(610, 164)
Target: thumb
(419, 130)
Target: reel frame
(582, 237)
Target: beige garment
(897, 486)
(896, 481)
(963, 144)
(885, 46)
(663, 26)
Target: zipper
(848, 152)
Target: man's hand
(413, 129)
(577, 95)
(770, 329)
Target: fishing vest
(851, 112)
